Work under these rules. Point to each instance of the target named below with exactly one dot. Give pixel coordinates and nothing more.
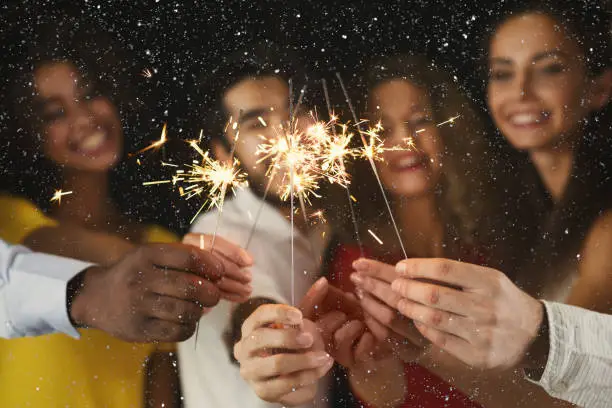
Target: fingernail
(294, 316)
(359, 293)
(304, 339)
(401, 268)
(322, 358)
(247, 274)
(320, 282)
(360, 264)
(356, 278)
(246, 257)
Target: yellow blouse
(56, 370)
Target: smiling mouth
(529, 119)
(411, 162)
(92, 142)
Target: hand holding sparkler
(235, 284)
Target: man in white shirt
(154, 293)
(252, 88)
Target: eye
(553, 69)
(52, 114)
(499, 75)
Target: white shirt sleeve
(579, 366)
(33, 292)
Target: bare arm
(79, 243)
(593, 289)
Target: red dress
(424, 388)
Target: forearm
(79, 243)
(379, 384)
(507, 389)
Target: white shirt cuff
(37, 305)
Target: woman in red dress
(436, 183)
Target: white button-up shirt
(579, 366)
(33, 292)
(208, 376)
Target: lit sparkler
(57, 196)
(147, 73)
(163, 139)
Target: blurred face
(81, 130)
(404, 109)
(251, 99)
(538, 89)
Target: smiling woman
(68, 99)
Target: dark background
(179, 41)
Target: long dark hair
(462, 191)
(100, 58)
(549, 235)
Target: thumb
(312, 301)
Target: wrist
(78, 300)
(536, 354)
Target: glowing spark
(163, 139)
(375, 237)
(319, 216)
(147, 73)
(450, 120)
(262, 121)
(138, 162)
(58, 196)
(353, 198)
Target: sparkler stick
(372, 164)
(347, 189)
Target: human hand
(487, 323)
(349, 343)
(282, 355)
(154, 293)
(235, 284)
(373, 280)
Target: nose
(82, 118)
(524, 86)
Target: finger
(234, 298)
(184, 286)
(390, 318)
(310, 304)
(375, 269)
(170, 309)
(228, 285)
(271, 314)
(380, 332)
(337, 299)
(365, 347)
(328, 324)
(463, 275)
(165, 331)
(224, 247)
(450, 323)
(278, 389)
(457, 347)
(440, 297)
(344, 340)
(185, 258)
(380, 289)
(266, 338)
(264, 368)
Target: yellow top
(57, 370)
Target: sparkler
(147, 73)
(163, 139)
(370, 157)
(341, 162)
(57, 196)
